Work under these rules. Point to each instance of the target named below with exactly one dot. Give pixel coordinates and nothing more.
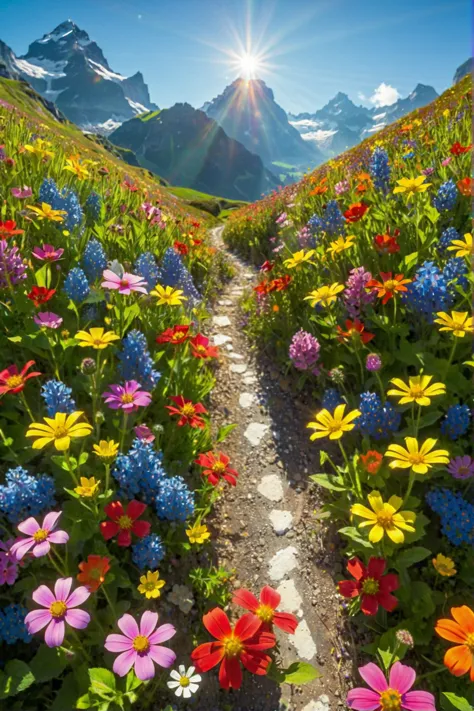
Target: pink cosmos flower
(47, 253)
(22, 192)
(394, 694)
(60, 608)
(8, 564)
(127, 397)
(39, 538)
(140, 647)
(124, 284)
(144, 433)
(46, 319)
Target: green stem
(382, 391)
(418, 421)
(27, 407)
(411, 481)
(124, 429)
(109, 601)
(69, 467)
(357, 486)
(451, 356)
(55, 565)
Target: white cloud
(384, 95)
(361, 96)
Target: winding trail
(264, 528)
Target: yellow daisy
(459, 322)
(464, 249)
(59, 430)
(88, 487)
(385, 518)
(106, 449)
(332, 425)
(299, 258)
(150, 585)
(418, 390)
(419, 459)
(340, 245)
(444, 565)
(97, 338)
(168, 295)
(198, 534)
(411, 186)
(325, 295)
(46, 212)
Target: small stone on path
(321, 704)
(239, 368)
(225, 302)
(271, 487)
(291, 600)
(221, 321)
(219, 339)
(249, 379)
(246, 400)
(281, 564)
(255, 431)
(281, 521)
(303, 641)
(236, 356)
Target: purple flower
(22, 192)
(282, 219)
(140, 647)
(127, 397)
(39, 538)
(461, 467)
(60, 609)
(373, 362)
(304, 236)
(355, 296)
(304, 351)
(341, 187)
(428, 171)
(144, 433)
(47, 253)
(8, 564)
(12, 266)
(46, 319)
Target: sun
(249, 65)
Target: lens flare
(250, 65)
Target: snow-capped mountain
(67, 67)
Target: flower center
(200, 349)
(125, 522)
(141, 644)
(334, 426)
(463, 471)
(124, 283)
(470, 642)
(232, 647)
(384, 519)
(95, 574)
(184, 681)
(97, 342)
(370, 586)
(126, 398)
(58, 609)
(150, 586)
(40, 535)
(390, 700)
(265, 613)
(416, 391)
(14, 381)
(60, 431)
(390, 284)
(188, 409)
(417, 458)
(176, 336)
(218, 467)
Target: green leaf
(224, 432)
(299, 673)
(132, 681)
(102, 682)
(354, 535)
(387, 657)
(327, 481)
(411, 556)
(17, 677)
(410, 260)
(457, 702)
(67, 695)
(84, 702)
(48, 663)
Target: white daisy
(184, 683)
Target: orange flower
(387, 243)
(465, 186)
(93, 572)
(406, 128)
(459, 659)
(372, 461)
(319, 190)
(387, 288)
(355, 330)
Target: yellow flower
(150, 585)
(46, 212)
(197, 533)
(88, 487)
(40, 148)
(76, 167)
(106, 449)
(465, 249)
(418, 390)
(444, 565)
(325, 295)
(385, 518)
(411, 186)
(168, 295)
(414, 457)
(299, 258)
(459, 323)
(59, 430)
(332, 425)
(340, 245)
(96, 338)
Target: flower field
(365, 295)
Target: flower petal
(54, 635)
(77, 597)
(419, 701)
(144, 667)
(62, 588)
(29, 527)
(402, 677)
(37, 619)
(162, 634)
(125, 662)
(129, 626)
(373, 677)
(217, 623)
(118, 643)
(79, 619)
(363, 699)
(162, 655)
(148, 622)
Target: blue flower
(148, 553)
(140, 472)
(332, 222)
(94, 260)
(176, 501)
(456, 421)
(57, 397)
(136, 362)
(331, 399)
(428, 293)
(457, 515)
(76, 285)
(446, 238)
(174, 273)
(455, 272)
(23, 495)
(146, 267)
(65, 200)
(446, 196)
(93, 205)
(380, 169)
(12, 624)
(376, 420)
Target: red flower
(8, 228)
(200, 347)
(124, 523)
(356, 211)
(267, 266)
(196, 242)
(129, 185)
(181, 248)
(372, 461)
(387, 243)
(40, 295)
(354, 329)
(387, 288)
(280, 284)
(266, 609)
(263, 287)
(465, 186)
(175, 335)
(457, 149)
(12, 381)
(244, 643)
(217, 467)
(188, 412)
(373, 587)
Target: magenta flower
(127, 397)
(144, 433)
(8, 564)
(60, 608)
(461, 467)
(125, 284)
(47, 253)
(22, 192)
(446, 161)
(39, 538)
(395, 694)
(46, 319)
(304, 351)
(141, 647)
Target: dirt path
(264, 528)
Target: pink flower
(46, 319)
(47, 253)
(140, 647)
(394, 694)
(8, 564)
(144, 433)
(39, 537)
(125, 284)
(127, 397)
(22, 192)
(60, 608)
(446, 161)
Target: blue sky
(312, 48)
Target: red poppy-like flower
(267, 266)
(465, 186)
(216, 467)
(40, 295)
(457, 149)
(266, 609)
(124, 523)
(175, 335)
(200, 347)
(354, 329)
(281, 283)
(196, 242)
(8, 228)
(263, 287)
(388, 287)
(356, 211)
(13, 381)
(181, 248)
(372, 461)
(387, 243)
(371, 585)
(245, 643)
(129, 185)
(188, 412)
(195, 224)
(93, 571)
